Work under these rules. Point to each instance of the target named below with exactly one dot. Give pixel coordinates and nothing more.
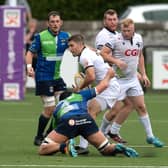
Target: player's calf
(108, 149)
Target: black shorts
(48, 88)
(77, 125)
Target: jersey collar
(114, 32)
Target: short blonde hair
(126, 22)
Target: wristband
(29, 65)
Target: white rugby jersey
(90, 58)
(103, 37)
(128, 51)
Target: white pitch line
(146, 146)
(15, 103)
(137, 121)
(83, 166)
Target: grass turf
(18, 124)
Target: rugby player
(127, 46)
(72, 119)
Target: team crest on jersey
(138, 44)
(71, 122)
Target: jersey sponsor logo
(47, 42)
(82, 121)
(54, 58)
(133, 52)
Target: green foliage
(81, 9)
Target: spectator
(31, 31)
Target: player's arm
(92, 92)
(29, 58)
(141, 67)
(105, 82)
(34, 48)
(89, 77)
(106, 53)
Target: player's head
(127, 28)
(65, 94)
(76, 44)
(110, 19)
(53, 13)
(54, 21)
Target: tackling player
(73, 119)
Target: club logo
(11, 91)
(11, 18)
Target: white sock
(83, 142)
(147, 125)
(105, 123)
(115, 128)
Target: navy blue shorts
(77, 125)
(48, 88)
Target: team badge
(71, 122)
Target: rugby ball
(79, 79)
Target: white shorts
(109, 96)
(129, 87)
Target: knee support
(103, 145)
(47, 141)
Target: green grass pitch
(18, 122)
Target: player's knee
(43, 149)
(49, 105)
(141, 109)
(48, 101)
(128, 104)
(102, 147)
(94, 108)
(110, 115)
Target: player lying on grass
(72, 119)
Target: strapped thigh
(48, 101)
